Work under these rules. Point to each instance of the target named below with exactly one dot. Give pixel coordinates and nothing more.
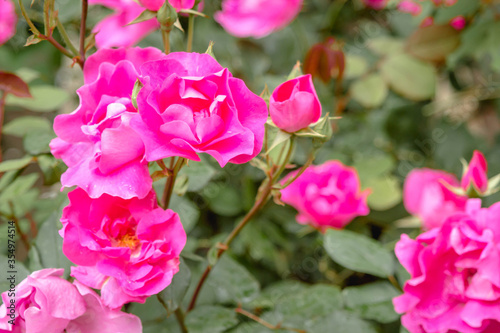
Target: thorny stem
(189, 47)
(179, 314)
(165, 34)
(83, 25)
(300, 172)
(265, 323)
(169, 186)
(260, 201)
(66, 38)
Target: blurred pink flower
(476, 175)
(8, 20)
(102, 152)
(114, 31)
(45, 302)
(426, 196)
(127, 248)
(458, 23)
(411, 7)
(375, 4)
(427, 22)
(294, 105)
(256, 18)
(326, 196)
(455, 274)
(190, 104)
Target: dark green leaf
(174, 293)
(210, 319)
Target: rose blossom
(127, 248)
(114, 30)
(256, 18)
(426, 196)
(294, 105)
(8, 20)
(455, 274)
(326, 196)
(408, 6)
(103, 153)
(190, 104)
(458, 23)
(476, 174)
(45, 302)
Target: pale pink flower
(476, 175)
(294, 105)
(102, 152)
(8, 20)
(458, 23)
(427, 197)
(114, 31)
(455, 274)
(190, 104)
(326, 196)
(411, 7)
(127, 248)
(256, 18)
(45, 302)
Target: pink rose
(476, 175)
(326, 196)
(410, 7)
(155, 5)
(100, 318)
(256, 18)
(426, 196)
(375, 4)
(458, 23)
(103, 153)
(455, 274)
(8, 20)
(127, 248)
(190, 104)
(45, 302)
(114, 30)
(294, 105)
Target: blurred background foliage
(408, 97)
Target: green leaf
(224, 200)
(355, 66)
(373, 166)
(372, 301)
(314, 302)
(49, 245)
(18, 188)
(433, 43)
(52, 168)
(23, 125)
(37, 142)
(385, 45)
(175, 292)
(385, 192)
(187, 210)
(343, 322)
(199, 175)
(237, 286)
(144, 16)
(412, 78)
(15, 164)
(45, 99)
(273, 294)
(370, 91)
(210, 319)
(358, 253)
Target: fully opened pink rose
(256, 18)
(102, 152)
(426, 196)
(127, 248)
(190, 104)
(114, 31)
(294, 105)
(8, 20)
(455, 274)
(476, 175)
(326, 196)
(46, 303)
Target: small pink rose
(476, 174)
(294, 105)
(411, 7)
(458, 23)
(256, 18)
(326, 196)
(8, 20)
(426, 196)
